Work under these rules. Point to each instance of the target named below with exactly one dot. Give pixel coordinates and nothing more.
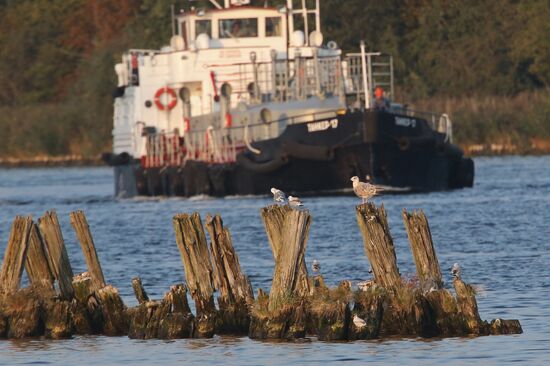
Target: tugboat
(243, 99)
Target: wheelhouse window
(238, 28)
(273, 27)
(203, 26)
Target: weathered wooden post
(406, 310)
(115, 320)
(236, 294)
(280, 233)
(420, 240)
(191, 241)
(57, 253)
(285, 315)
(36, 264)
(15, 254)
(175, 317)
(378, 243)
(139, 291)
(82, 230)
(19, 309)
(169, 318)
(329, 312)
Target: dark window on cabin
(203, 26)
(273, 27)
(233, 28)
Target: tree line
(57, 57)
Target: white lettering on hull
(322, 125)
(405, 122)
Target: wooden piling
(191, 241)
(85, 308)
(285, 316)
(288, 231)
(82, 230)
(22, 312)
(139, 291)
(467, 306)
(378, 244)
(59, 260)
(369, 307)
(175, 319)
(420, 240)
(115, 321)
(235, 289)
(170, 318)
(15, 254)
(329, 312)
(36, 264)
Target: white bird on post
(364, 190)
(278, 195)
(294, 201)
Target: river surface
(499, 231)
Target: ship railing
(281, 80)
(216, 145)
(379, 72)
(440, 122)
(163, 149)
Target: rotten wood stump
(36, 265)
(378, 244)
(288, 232)
(366, 317)
(57, 253)
(170, 318)
(82, 230)
(193, 248)
(236, 294)
(329, 312)
(15, 255)
(113, 311)
(285, 316)
(139, 291)
(420, 240)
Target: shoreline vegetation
(495, 125)
(471, 62)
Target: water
(499, 232)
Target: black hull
(395, 150)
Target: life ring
(174, 99)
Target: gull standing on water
(294, 201)
(278, 195)
(363, 190)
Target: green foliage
(57, 58)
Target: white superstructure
(227, 72)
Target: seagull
(359, 323)
(316, 266)
(278, 195)
(456, 271)
(363, 190)
(294, 201)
